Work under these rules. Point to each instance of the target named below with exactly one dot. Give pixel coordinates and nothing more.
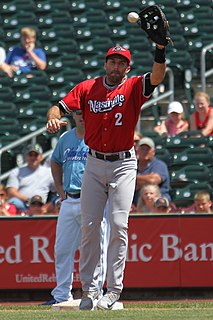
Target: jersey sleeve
(72, 101)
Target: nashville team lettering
(105, 106)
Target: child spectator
(148, 194)
(202, 204)
(25, 58)
(202, 118)
(174, 124)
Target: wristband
(160, 56)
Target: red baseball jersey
(110, 114)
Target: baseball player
(111, 106)
(67, 164)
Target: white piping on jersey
(66, 109)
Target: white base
(74, 305)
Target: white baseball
(132, 17)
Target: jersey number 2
(119, 117)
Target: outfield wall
(163, 252)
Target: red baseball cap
(121, 51)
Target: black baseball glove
(153, 21)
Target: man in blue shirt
(25, 58)
(67, 164)
(151, 170)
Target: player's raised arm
(159, 66)
(54, 123)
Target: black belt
(110, 157)
(74, 195)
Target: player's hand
(54, 125)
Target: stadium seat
(56, 33)
(164, 155)
(113, 6)
(32, 126)
(59, 92)
(92, 16)
(78, 7)
(183, 140)
(139, 43)
(192, 173)
(6, 94)
(93, 63)
(32, 93)
(142, 62)
(184, 196)
(9, 125)
(7, 108)
(94, 46)
(51, 6)
(5, 81)
(116, 19)
(179, 43)
(196, 155)
(36, 77)
(19, 20)
(8, 8)
(181, 59)
(71, 77)
(34, 109)
(94, 4)
(65, 61)
(119, 35)
(8, 160)
(159, 140)
(53, 19)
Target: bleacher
(75, 36)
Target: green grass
(145, 311)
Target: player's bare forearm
(143, 179)
(57, 173)
(158, 73)
(53, 119)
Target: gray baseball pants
(114, 181)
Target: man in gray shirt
(29, 180)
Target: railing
(30, 138)
(168, 94)
(205, 73)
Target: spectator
(35, 206)
(6, 209)
(202, 118)
(174, 123)
(151, 170)
(202, 204)
(32, 178)
(148, 194)
(26, 58)
(161, 205)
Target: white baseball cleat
(108, 300)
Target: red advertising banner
(163, 251)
